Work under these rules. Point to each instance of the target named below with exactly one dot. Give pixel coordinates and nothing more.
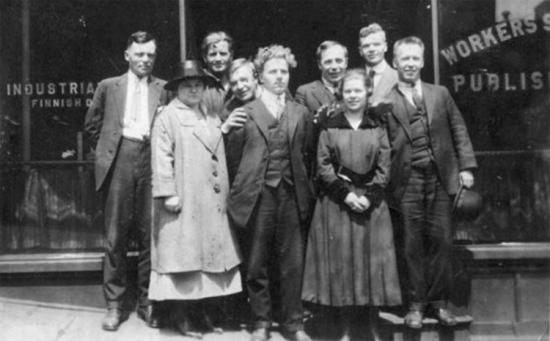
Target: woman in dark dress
(350, 258)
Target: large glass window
(52, 55)
(494, 58)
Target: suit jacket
(451, 146)
(387, 81)
(314, 95)
(247, 153)
(104, 119)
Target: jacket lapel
(429, 100)
(153, 97)
(121, 87)
(260, 115)
(292, 120)
(400, 111)
(322, 94)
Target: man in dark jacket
(431, 157)
(270, 194)
(119, 121)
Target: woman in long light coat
(194, 253)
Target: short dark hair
(325, 45)
(140, 37)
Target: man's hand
(172, 204)
(236, 119)
(466, 178)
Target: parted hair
(325, 45)
(410, 40)
(370, 29)
(274, 51)
(356, 73)
(214, 38)
(140, 37)
(242, 62)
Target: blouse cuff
(375, 194)
(338, 190)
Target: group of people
(339, 196)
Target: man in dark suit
(431, 157)
(332, 60)
(118, 122)
(373, 47)
(270, 194)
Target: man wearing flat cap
(118, 122)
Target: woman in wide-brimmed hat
(194, 255)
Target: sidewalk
(34, 321)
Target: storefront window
(494, 58)
(52, 55)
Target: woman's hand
(172, 204)
(236, 119)
(355, 203)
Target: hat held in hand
(467, 204)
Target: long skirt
(350, 257)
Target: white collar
(378, 68)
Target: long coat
(104, 119)
(451, 145)
(188, 160)
(249, 156)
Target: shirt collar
(378, 68)
(268, 96)
(134, 79)
(331, 87)
(407, 87)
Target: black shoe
(259, 334)
(151, 315)
(113, 318)
(445, 317)
(413, 319)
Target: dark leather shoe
(299, 335)
(150, 314)
(413, 319)
(445, 317)
(259, 334)
(113, 318)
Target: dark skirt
(350, 258)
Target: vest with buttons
(421, 147)
(278, 165)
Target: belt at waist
(357, 179)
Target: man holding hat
(119, 121)
(431, 157)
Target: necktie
(417, 100)
(280, 106)
(370, 83)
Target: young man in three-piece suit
(432, 156)
(270, 193)
(118, 122)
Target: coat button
(214, 157)
(215, 173)
(217, 188)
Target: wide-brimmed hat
(188, 69)
(467, 204)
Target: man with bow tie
(373, 47)
(118, 122)
(431, 157)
